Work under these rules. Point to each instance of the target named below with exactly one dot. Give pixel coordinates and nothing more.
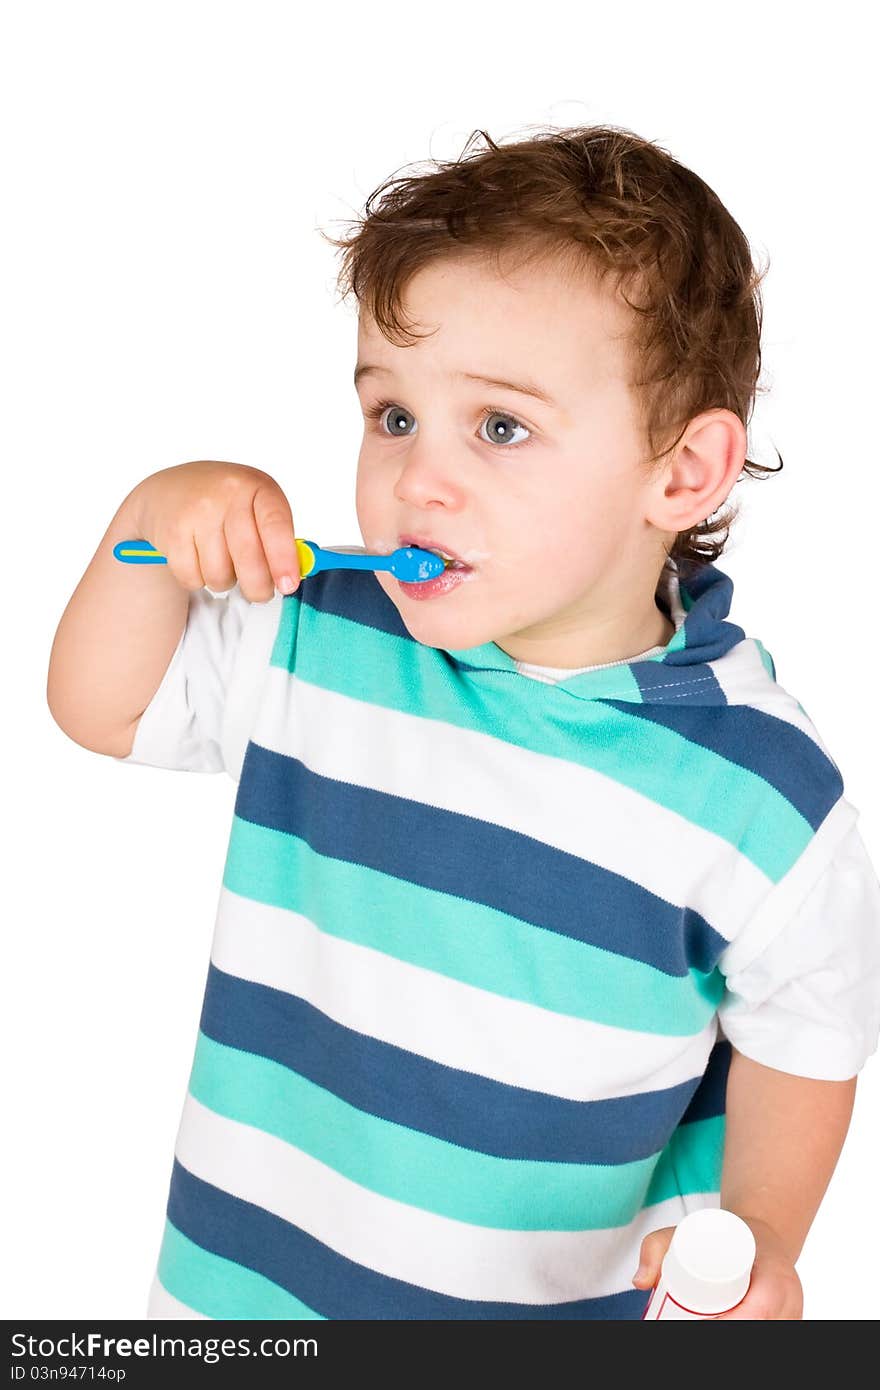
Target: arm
(218, 524)
(114, 642)
(783, 1137)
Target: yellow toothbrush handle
(306, 557)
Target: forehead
(548, 319)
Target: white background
(166, 296)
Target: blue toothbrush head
(411, 565)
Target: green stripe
(766, 659)
(676, 643)
(708, 790)
(429, 1173)
(691, 1162)
(465, 941)
(221, 1288)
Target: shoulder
(770, 717)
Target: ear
(702, 471)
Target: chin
(433, 628)
(443, 621)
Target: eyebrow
(525, 388)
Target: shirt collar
(697, 608)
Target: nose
(426, 476)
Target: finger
(275, 526)
(769, 1299)
(750, 1310)
(215, 560)
(653, 1248)
(182, 558)
(245, 547)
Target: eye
(396, 419)
(503, 425)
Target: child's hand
(218, 523)
(775, 1293)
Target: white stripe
(745, 680)
(434, 1016)
(162, 1304)
(742, 675)
(551, 800)
(433, 1252)
(780, 906)
(259, 630)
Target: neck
(593, 638)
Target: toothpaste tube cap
(708, 1265)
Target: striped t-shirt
(459, 1050)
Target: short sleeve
(808, 1002)
(199, 718)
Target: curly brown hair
(607, 200)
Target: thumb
(654, 1247)
(274, 521)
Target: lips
(424, 543)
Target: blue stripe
(785, 757)
(706, 597)
(709, 1098)
(472, 1111)
(476, 860)
(355, 595)
(331, 1284)
(661, 686)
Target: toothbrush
(409, 564)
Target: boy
(544, 918)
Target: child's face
(564, 560)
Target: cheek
(366, 496)
(590, 503)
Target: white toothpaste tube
(707, 1267)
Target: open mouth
(451, 561)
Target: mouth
(453, 561)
